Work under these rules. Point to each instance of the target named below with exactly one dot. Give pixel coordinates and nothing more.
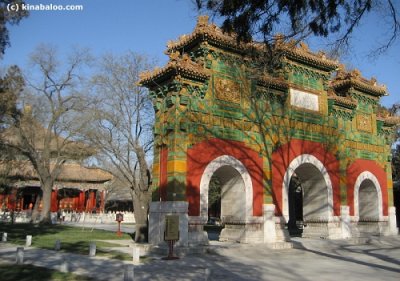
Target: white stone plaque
(304, 100)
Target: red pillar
(94, 199)
(81, 207)
(91, 202)
(12, 198)
(75, 203)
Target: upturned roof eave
(360, 86)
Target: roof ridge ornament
(202, 21)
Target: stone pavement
(311, 259)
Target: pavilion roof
(177, 66)
(70, 172)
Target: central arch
(237, 188)
(309, 169)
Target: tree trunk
(35, 211)
(47, 188)
(141, 203)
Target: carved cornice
(343, 113)
(274, 83)
(346, 102)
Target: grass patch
(73, 239)
(36, 273)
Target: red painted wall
(354, 170)
(201, 154)
(163, 173)
(284, 155)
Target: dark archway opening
(308, 203)
(214, 225)
(296, 222)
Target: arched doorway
(367, 198)
(307, 197)
(368, 203)
(236, 195)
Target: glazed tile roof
(206, 32)
(300, 52)
(177, 65)
(353, 79)
(70, 172)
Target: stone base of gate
(197, 235)
(243, 232)
(158, 211)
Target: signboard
(119, 217)
(304, 100)
(171, 228)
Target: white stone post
(392, 221)
(28, 240)
(207, 273)
(269, 223)
(345, 222)
(136, 254)
(64, 266)
(129, 272)
(20, 255)
(92, 249)
(57, 246)
(4, 237)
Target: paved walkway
(379, 259)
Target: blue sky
(145, 26)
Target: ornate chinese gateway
(299, 150)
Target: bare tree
(46, 132)
(120, 127)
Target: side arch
(354, 172)
(200, 155)
(285, 154)
(366, 175)
(211, 168)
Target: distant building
(77, 188)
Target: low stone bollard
(20, 255)
(136, 254)
(207, 273)
(4, 237)
(57, 246)
(28, 240)
(92, 249)
(64, 266)
(129, 272)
